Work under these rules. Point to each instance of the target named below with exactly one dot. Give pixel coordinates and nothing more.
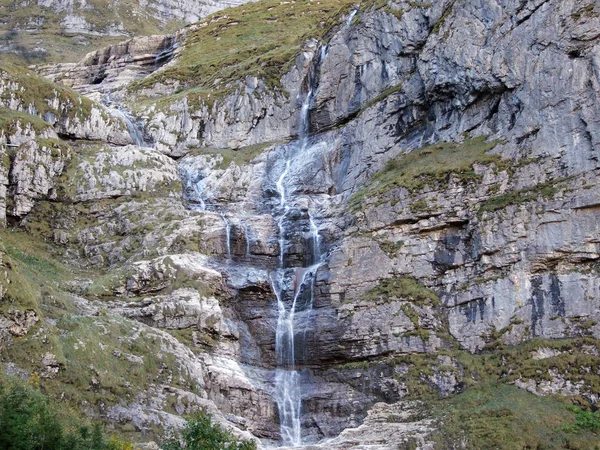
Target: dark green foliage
(30, 421)
(201, 434)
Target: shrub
(201, 434)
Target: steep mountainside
(64, 31)
(351, 225)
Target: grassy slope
(258, 39)
(92, 374)
(503, 417)
(429, 165)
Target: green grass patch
(9, 120)
(31, 271)
(60, 46)
(390, 248)
(239, 157)
(108, 359)
(585, 420)
(500, 416)
(429, 166)
(36, 92)
(586, 11)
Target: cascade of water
(198, 191)
(166, 52)
(323, 53)
(316, 251)
(351, 16)
(134, 131)
(294, 313)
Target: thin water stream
(293, 313)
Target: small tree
(201, 434)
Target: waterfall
(301, 254)
(227, 237)
(127, 118)
(294, 311)
(351, 16)
(166, 52)
(192, 192)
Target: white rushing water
(134, 131)
(351, 16)
(294, 279)
(227, 237)
(294, 311)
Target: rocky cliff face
(448, 179)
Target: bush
(201, 434)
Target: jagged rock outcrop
(69, 113)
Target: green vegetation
(574, 360)
(385, 6)
(430, 166)
(200, 433)
(545, 190)
(29, 420)
(30, 27)
(585, 420)
(110, 359)
(30, 271)
(504, 417)
(401, 288)
(490, 413)
(9, 120)
(256, 39)
(420, 205)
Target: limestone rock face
(116, 171)
(32, 174)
